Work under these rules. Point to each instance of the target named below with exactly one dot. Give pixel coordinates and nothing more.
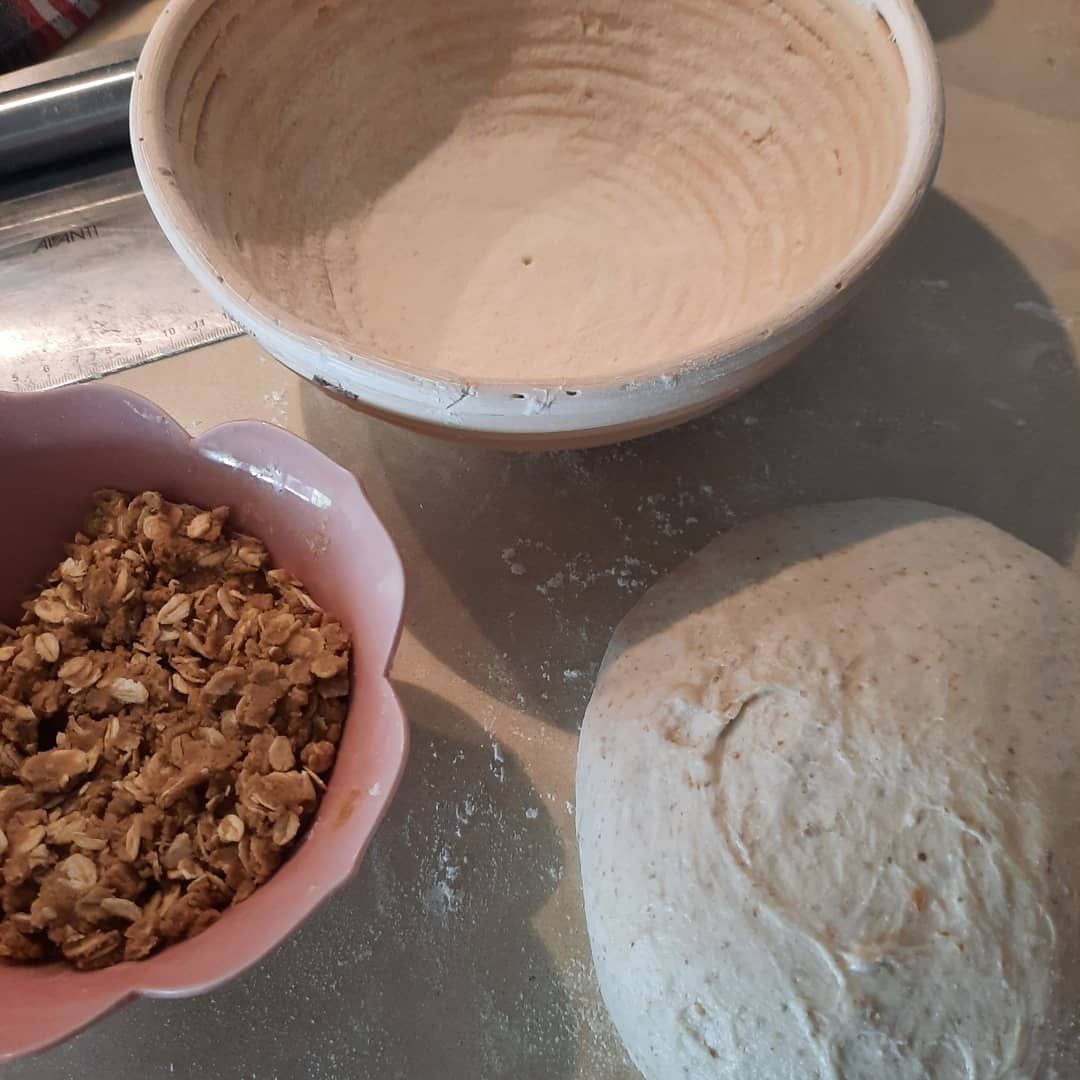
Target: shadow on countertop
(950, 379)
(947, 18)
(424, 967)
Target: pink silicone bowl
(58, 447)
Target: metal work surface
(459, 951)
(88, 284)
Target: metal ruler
(88, 283)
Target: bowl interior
(60, 447)
(533, 189)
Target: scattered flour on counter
(279, 406)
(498, 762)
(464, 814)
(443, 895)
(672, 513)
(556, 581)
(513, 564)
(627, 572)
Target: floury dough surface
(828, 805)
(536, 189)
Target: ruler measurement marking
(97, 367)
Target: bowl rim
(94, 1004)
(523, 407)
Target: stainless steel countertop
(460, 951)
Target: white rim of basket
(521, 407)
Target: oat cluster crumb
(170, 707)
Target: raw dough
(829, 805)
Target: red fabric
(46, 33)
(28, 34)
(70, 12)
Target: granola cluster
(169, 709)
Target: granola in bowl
(170, 706)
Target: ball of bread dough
(829, 805)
